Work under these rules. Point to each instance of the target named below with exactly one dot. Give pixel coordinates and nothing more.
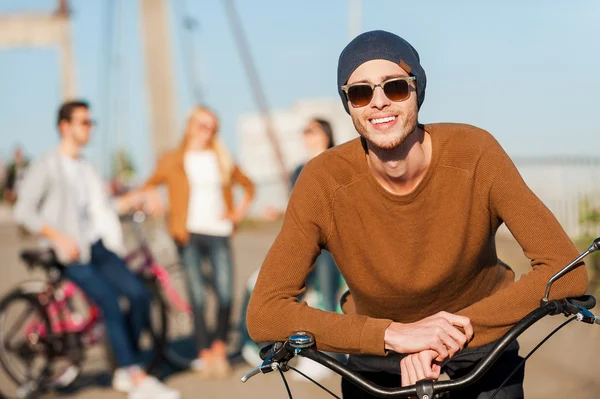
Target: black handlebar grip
(266, 351)
(585, 301)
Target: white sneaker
(151, 388)
(67, 377)
(121, 381)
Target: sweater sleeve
(274, 312)
(31, 195)
(539, 234)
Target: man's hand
(147, 200)
(152, 203)
(66, 245)
(132, 200)
(62, 243)
(438, 333)
(419, 366)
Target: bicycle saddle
(39, 257)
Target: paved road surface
(565, 367)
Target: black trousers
(385, 371)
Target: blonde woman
(200, 176)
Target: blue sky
(525, 70)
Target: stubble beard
(386, 140)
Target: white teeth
(382, 120)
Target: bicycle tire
(74, 367)
(158, 327)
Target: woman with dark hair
(318, 137)
(325, 278)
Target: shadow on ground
(163, 371)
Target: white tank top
(207, 206)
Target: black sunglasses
(361, 94)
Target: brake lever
(272, 362)
(263, 368)
(277, 355)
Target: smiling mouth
(379, 121)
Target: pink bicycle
(47, 325)
(171, 281)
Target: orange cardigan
(170, 170)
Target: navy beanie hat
(380, 45)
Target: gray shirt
(47, 197)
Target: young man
(410, 212)
(63, 200)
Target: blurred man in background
(64, 201)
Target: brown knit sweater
(407, 257)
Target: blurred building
(257, 157)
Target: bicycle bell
(301, 340)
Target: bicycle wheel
(30, 353)
(179, 349)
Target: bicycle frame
(62, 319)
(149, 265)
(161, 274)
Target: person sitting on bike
(410, 212)
(63, 200)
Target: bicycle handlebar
(279, 354)
(302, 344)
